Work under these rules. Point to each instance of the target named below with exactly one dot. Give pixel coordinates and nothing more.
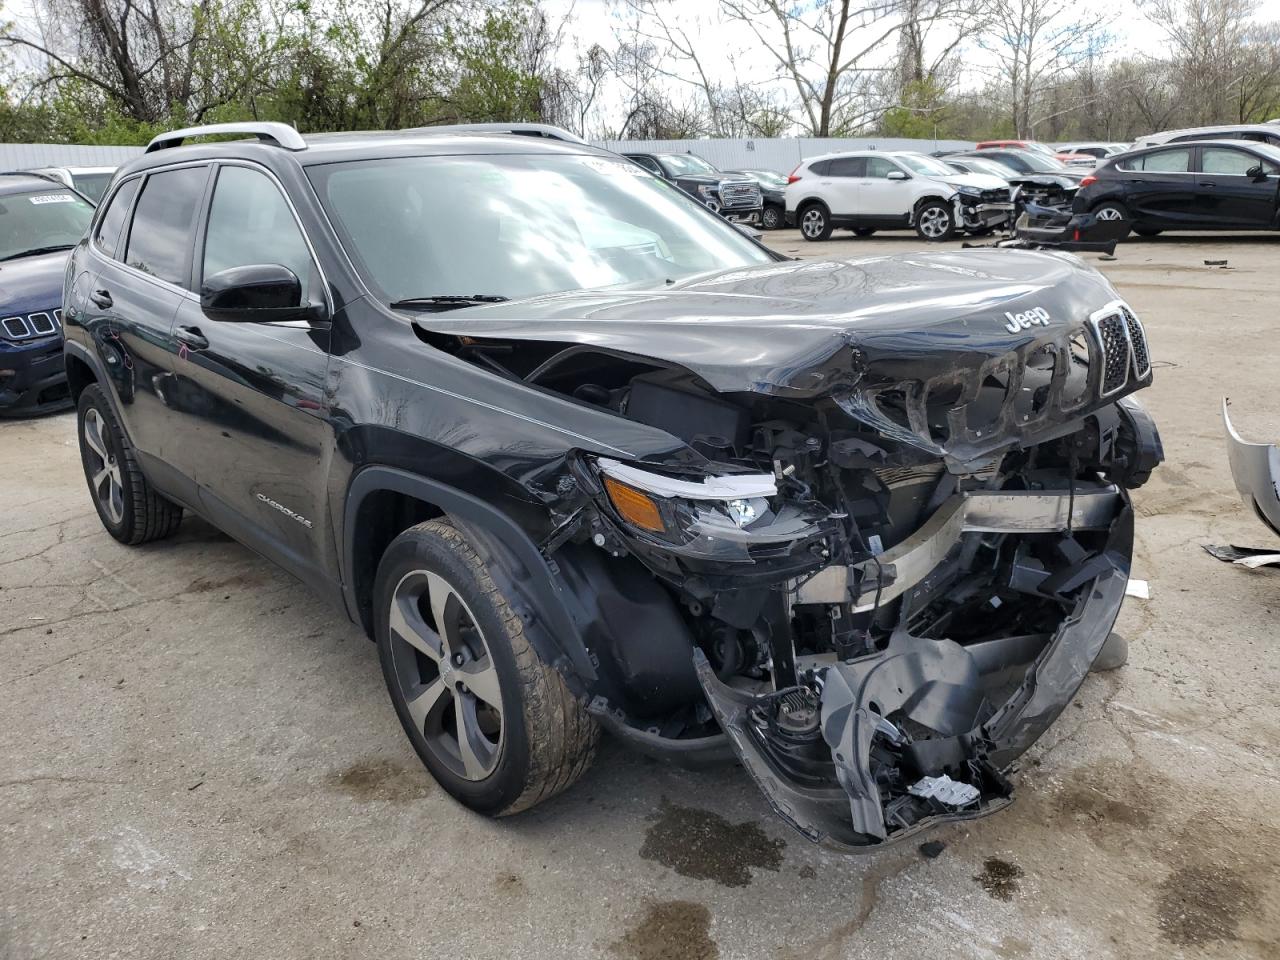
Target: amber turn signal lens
(637, 508)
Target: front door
(878, 196)
(1229, 196)
(254, 393)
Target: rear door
(1160, 188)
(841, 185)
(143, 247)
(1229, 196)
(253, 394)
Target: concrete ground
(198, 759)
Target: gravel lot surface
(198, 759)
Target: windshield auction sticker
(53, 198)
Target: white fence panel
(781, 155)
(24, 156)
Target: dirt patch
(999, 878)
(510, 884)
(371, 780)
(704, 845)
(1202, 903)
(1083, 800)
(209, 584)
(671, 930)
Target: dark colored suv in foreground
(1207, 185)
(578, 454)
(40, 221)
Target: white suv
(881, 190)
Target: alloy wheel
(935, 222)
(104, 470)
(771, 218)
(446, 673)
(1109, 214)
(812, 223)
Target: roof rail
(544, 130)
(281, 134)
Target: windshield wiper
(447, 301)
(36, 251)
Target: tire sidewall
(93, 398)
(825, 230)
(951, 221)
(423, 549)
(771, 219)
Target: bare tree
(1228, 66)
(827, 51)
(1037, 44)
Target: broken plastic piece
(1138, 588)
(1252, 557)
(945, 790)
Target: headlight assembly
(719, 516)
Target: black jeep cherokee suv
(578, 454)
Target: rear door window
(1162, 161)
(161, 233)
(107, 236)
(847, 167)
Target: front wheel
(935, 222)
(493, 723)
(815, 223)
(772, 218)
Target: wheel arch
(931, 197)
(383, 501)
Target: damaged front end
(878, 570)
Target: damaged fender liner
(933, 682)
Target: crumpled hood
(31, 284)
(979, 181)
(804, 328)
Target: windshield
(92, 185)
(767, 178)
(681, 164)
(35, 222)
(926, 166)
(519, 225)
(991, 168)
(1040, 162)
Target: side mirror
(256, 293)
(1256, 173)
(897, 175)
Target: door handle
(191, 337)
(101, 298)
(1210, 184)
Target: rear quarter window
(107, 236)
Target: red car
(1019, 144)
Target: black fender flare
(525, 576)
(99, 371)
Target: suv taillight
(794, 176)
(1088, 181)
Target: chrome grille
(1038, 384)
(739, 195)
(1124, 347)
(40, 324)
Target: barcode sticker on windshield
(53, 198)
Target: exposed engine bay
(879, 596)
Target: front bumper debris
(1255, 467)
(1060, 229)
(916, 733)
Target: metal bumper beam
(907, 563)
